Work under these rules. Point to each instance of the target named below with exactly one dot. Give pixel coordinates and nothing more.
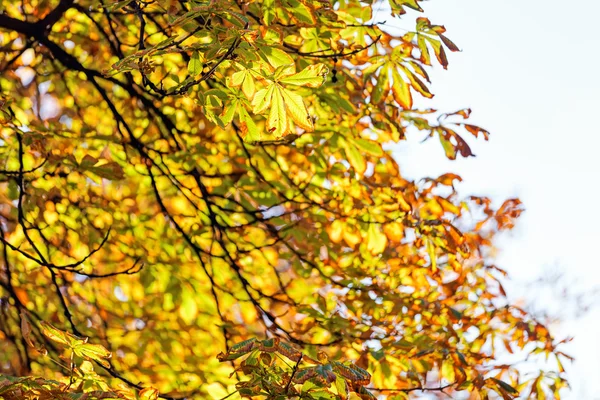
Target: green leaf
(283, 70)
(369, 146)
(94, 352)
(195, 65)
(275, 57)
(312, 76)
(237, 78)
(301, 12)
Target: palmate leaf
(300, 12)
(286, 109)
(431, 35)
(398, 6)
(316, 380)
(78, 345)
(282, 104)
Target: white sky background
(530, 71)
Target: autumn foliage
(196, 202)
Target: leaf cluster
(180, 176)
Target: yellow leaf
(376, 240)
(237, 78)
(351, 237)
(277, 122)
(432, 253)
(417, 83)
(448, 371)
(297, 110)
(57, 335)
(335, 231)
(188, 310)
(248, 87)
(394, 231)
(381, 89)
(94, 352)
(262, 99)
(148, 393)
(401, 90)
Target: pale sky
(529, 71)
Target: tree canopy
(196, 201)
